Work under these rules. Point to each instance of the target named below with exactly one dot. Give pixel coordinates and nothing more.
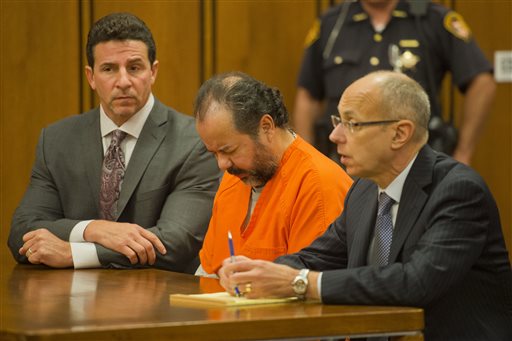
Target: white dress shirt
(84, 253)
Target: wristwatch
(300, 284)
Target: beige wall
(42, 69)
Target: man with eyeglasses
(418, 229)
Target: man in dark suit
(418, 229)
(128, 184)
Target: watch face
(300, 287)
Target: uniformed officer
(421, 39)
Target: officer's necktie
(112, 176)
(383, 229)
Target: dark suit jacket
(168, 187)
(447, 256)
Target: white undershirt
(84, 253)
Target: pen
(232, 253)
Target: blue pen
(232, 253)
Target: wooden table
(43, 304)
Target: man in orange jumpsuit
(278, 193)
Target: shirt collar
(357, 12)
(133, 126)
(394, 190)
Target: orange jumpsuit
(304, 196)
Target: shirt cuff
(84, 255)
(319, 285)
(201, 273)
(77, 233)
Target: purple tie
(112, 177)
(383, 229)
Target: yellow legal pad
(223, 299)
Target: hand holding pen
(232, 255)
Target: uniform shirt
(304, 196)
(360, 49)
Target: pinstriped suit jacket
(168, 186)
(448, 255)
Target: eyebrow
(221, 149)
(346, 113)
(224, 148)
(130, 60)
(136, 59)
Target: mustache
(237, 171)
(124, 94)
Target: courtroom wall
(42, 62)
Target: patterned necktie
(112, 177)
(383, 229)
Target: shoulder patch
(455, 24)
(313, 34)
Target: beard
(265, 167)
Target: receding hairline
(231, 80)
(209, 101)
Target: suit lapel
(92, 151)
(413, 199)
(147, 144)
(364, 221)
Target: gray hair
(404, 98)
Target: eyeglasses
(353, 126)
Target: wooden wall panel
(491, 23)
(39, 84)
(263, 39)
(42, 44)
(175, 26)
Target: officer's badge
(313, 34)
(455, 24)
(409, 60)
(402, 62)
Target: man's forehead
(217, 130)
(357, 100)
(135, 49)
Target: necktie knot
(385, 203)
(117, 137)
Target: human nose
(224, 162)
(123, 80)
(338, 135)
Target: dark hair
(246, 98)
(119, 26)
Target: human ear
(403, 133)
(154, 71)
(89, 73)
(267, 126)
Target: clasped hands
(136, 243)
